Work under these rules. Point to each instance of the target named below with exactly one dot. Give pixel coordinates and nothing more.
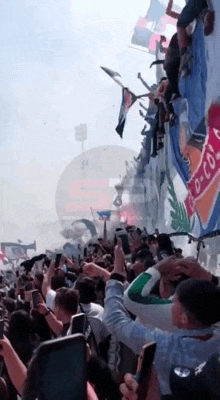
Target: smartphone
(57, 260)
(1, 328)
(144, 367)
(125, 242)
(78, 323)
(35, 298)
(62, 368)
(85, 252)
(1, 367)
(22, 293)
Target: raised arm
(15, 367)
(93, 269)
(143, 82)
(169, 11)
(115, 315)
(55, 325)
(46, 285)
(148, 308)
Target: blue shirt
(180, 347)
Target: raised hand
(92, 269)
(166, 266)
(119, 263)
(129, 388)
(191, 267)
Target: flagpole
(136, 48)
(119, 83)
(92, 213)
(105, 229)
(111, 74)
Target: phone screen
(22, 293)
(35, 298)
(77, 324)
(144, 367)
(125, 243)
(63, 368)
(1, 328)
(57, 260)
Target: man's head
(57, 281)
(196, 304)
(66, 304)
(87, 289)
(142, 261)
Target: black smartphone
(125, 242)
(35, 298)
(21, 292)
(62, 366)
(78, 323)
(57, 260)
(85, 252)
(144, 367)
(1, 328)
(1, 367)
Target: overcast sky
(51, 81)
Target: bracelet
(47, 312)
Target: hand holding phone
(123, 235)
(57, 261)
(62, 366)
(144, 369)
(78, 323)
(35, 298)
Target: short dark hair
(151, 238)
(86, 287)
(57, 282)
(67, 299)
(9, 304)
(165, 243)
(201, 299)
(142, 255)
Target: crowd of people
(177, 64)
(131, 290)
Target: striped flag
(128, 99)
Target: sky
(51, 81)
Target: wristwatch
(47, 312)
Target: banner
(128, 100)
(15, 251)
(148, 29)
(204, 184)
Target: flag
(148, 29)
(111, 73)
(104, 215)
(128, 98)
(15, 251)
(156, 10)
